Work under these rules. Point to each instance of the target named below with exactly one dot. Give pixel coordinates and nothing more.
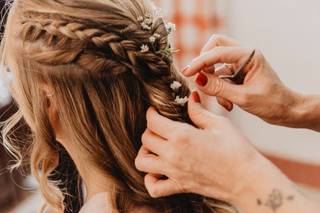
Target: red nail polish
(196, 97)
(202, 80)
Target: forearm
(305, 112)
(269, 191)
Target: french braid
(117, 53)
(100, 41)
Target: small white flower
(145, 26)
(175, 85)
(144, 48)
(181, 101)
(171, 27)
(140, 19)
(157, 35)
(148, 21)
(152, 39)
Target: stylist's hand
(211, 160)
(262, 93)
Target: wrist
(262, 181)
(305, 112)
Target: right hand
(262, 93)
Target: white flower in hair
(145, 26)
(144, 48)
(175, 85)
(181, 101)
(157, 35)
(140, 19)
(152, 39)
(171, 27)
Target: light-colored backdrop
(288, 32)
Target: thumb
(201, 117)
(212, 85)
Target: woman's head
(85, 74)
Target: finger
(217, 41)
(230, 55)
(160, 125)
(214, 86)
(160, 188)
(201, 117)
(225, 69)
(228, 105)
(210, 69)
(149, 163)
(153, 142)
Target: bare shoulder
(100, 203)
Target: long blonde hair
(89, 51)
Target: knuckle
(244, 99)
(144, 138)
(216, 38)
(259, 54)
(138, 163)
(215, 86)
(180, 134)
(218, 49)
(172, 155)
(153, 192)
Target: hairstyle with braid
(89, 51)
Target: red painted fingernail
(196, 97)
(202, 80)
(229, 107)
(185, 69)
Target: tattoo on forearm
(275, 200)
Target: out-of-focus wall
(288, 32)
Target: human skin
(262, 94)
(215, 160)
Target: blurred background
(286, 31)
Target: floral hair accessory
(144, 48)
(181, 101)
(175, 85)
(154, 37)
(170, 27)
(146, 22)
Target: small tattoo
(275, 200)
(259, 202)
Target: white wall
(288, 32)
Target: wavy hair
(89, 51)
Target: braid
(108, 61)
(97, 50)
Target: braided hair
(94, 49)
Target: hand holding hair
(215, 160)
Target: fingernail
(185, 69)
(196, 97)
(202, 80)
(229, 106)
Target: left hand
(211, 160)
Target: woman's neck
(94, 179)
